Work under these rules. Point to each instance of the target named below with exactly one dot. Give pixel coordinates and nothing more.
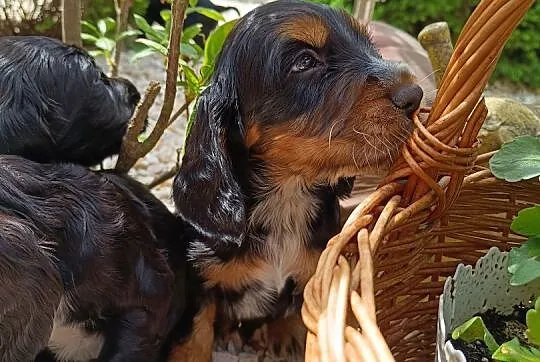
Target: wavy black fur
(95, 253)
(56, 104)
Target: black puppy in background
(56, 104)
(156, 6)
(91, 265)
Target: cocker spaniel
(300, 102)
(92, 266)
(57, 105)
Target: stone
(506, 120)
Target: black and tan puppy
(300, 102)
(91, 265)
(57, 105)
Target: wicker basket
(434, 210)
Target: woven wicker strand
(437, 207)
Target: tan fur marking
(232, 275)
(308, 29)
(198, 348)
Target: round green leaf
(526, 272)
(517, 160)
(527, 222)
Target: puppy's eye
(304, 62)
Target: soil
(502, 327)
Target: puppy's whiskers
(429, 75)
(354, 158)
(365, 135)
(331, 129)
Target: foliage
(339, 4)
(157, 39)
(511, 351)
(517, 160)
(524, 262)
(94, 10)
(103, 37)
(475, 330)
(520, 61)
(533, 324)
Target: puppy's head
(60, 103)
(302, 88)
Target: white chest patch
(287, 213)
(71, 342)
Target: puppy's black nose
(408, 98)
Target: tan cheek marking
(253, 135)
(308, 29)
(233, 275)
(198, 348)
(296, 155)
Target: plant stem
(131, 142)
(129, 157)
(122, 15)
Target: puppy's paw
(285, 340)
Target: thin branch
(131, 154)
(131, 142)
(122, 15)
(179, 112)
(158, 180)
(167, 174)
(71, 22)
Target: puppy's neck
(281, 205)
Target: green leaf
(533, 324)
(153, 45)
(190, 32)
(213, 46)
(149, 32)
(191, 78)
(102, 26)
(526, 272)
(517, 256)
(517, 160)
(165, 15)
(141, 54)
(527, 222)
(96, 53)
(512, 351)
(88, 37)
(106, 25)
(193, 3)
(90, 28)
(209, 13)
(189, 50)
(105, 44)
(534, 246)
(475, 329)
(127, 33)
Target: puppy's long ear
(206, 190)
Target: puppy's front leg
(198, 347)
(133, 337)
